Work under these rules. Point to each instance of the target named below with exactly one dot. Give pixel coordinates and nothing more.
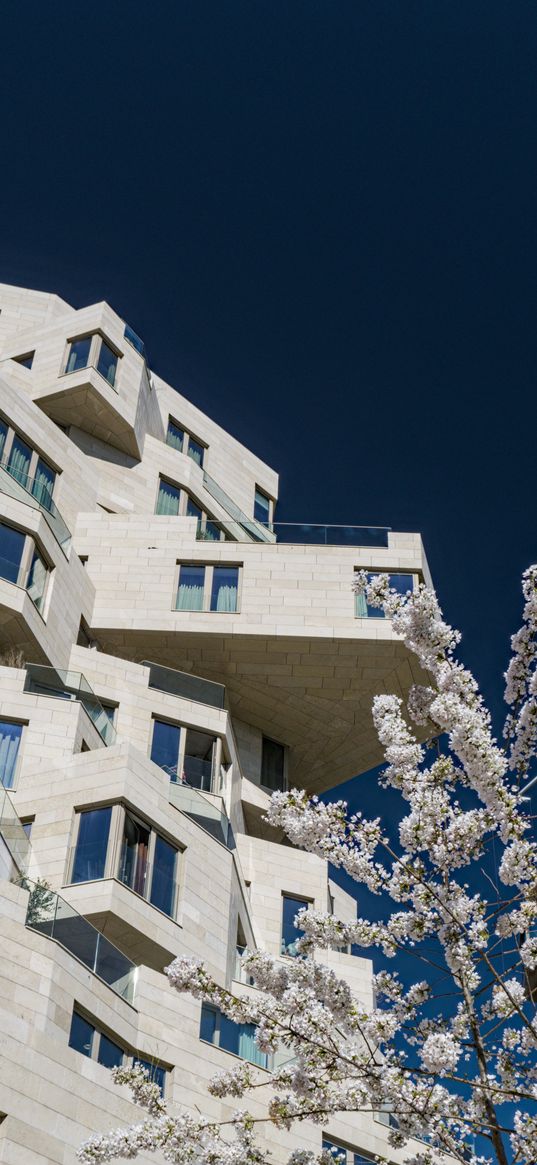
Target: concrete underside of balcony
(21, 628)
(85, 406)
(312, 694)
(143, 934)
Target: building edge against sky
(169, 655)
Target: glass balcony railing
(211, 817)
(70, 685)
(30, 490)
(252, 531)
(15, 861)
(54, 917)
(300, 534)
(180, 683)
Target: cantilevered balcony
(297, 533)
(69, 685)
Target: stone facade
(97, 654)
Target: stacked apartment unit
(169, 655)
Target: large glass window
(37, 580)
(273, 765)
(43, 483)
(134, 854)
(175, 436)
(107, 363)
(195, 451)
(10, 738)
(398, 582)
(81, 1035)
(261, 507)
(3, 435)
(19, 461)
(291, 933)
(165, 745)
(92, 845)
(157, 1074)
(110, 1055)
(86, 1038)
(78, 354)
(225, 587)
(12, 547)
(93, 351)
(190, 589)
(162, 893)
(224, 1033)
(169, 497)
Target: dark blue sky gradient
(321, 217)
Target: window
(92, 845)
(26, 465)
(85, 1037)
(10, 739)
(3, 435)
(43, 483)
(92, 352)
(177, 502)
(262, 507)
(291, 933)
(26, 360)
(207, 588)
(27, 826)
(239, 1038)
(141, 859)
(19, 460)
(184, 442)
(135, 340)
(399, 582)
(273, 765)
(22, 565)
(345, 1156)
(187, 755)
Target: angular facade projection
(170, 654)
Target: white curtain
(248, 1048)
(189, 598)
(36, 581)
(227, 598)
(360, 606)
(168, 499)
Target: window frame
(184, 729)
(414, 576)
(216, 1042)
(113, 853)
(22, 724)
(209, 567)
(205, 519)
(285, 765)
(353, 1156)
(30, 549)
(286, 894)
(188, 436)
(130, 1055)
(271, 506)
(97, 338)
(12, 433)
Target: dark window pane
(78, 354)
(168, 498)
(81, 1034)
(165, 746)
(273, 765)
(398, 582)
(12, 546)
(229, 1035)
(37, 580)
(19, 461)
(195, 451)
(290, 934)
(92, 845)
(192, 510)
(190, 589)
(10, 738)
(225, 588)
(43, 483)
(208, 1024)
(175, 436)
(3, 435)
(25, 361)
(261, 507)
(110, 1055)
(157, 1073)
(163, 880)
(27, 826)
(107, 363)
(134, 850)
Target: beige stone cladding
(140, 740)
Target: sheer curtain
(43, 485)
(168, 499)
(360, 609)
(19, 461)
(189, 597)
(248, 1048)
(227, 598)
(10, 735)
(37, 580)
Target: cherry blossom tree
(457, 1071)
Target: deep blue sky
(321, 217)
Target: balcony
(30, 491)
(52, 916)
(188, 687)
(296, 533)
(70, 685)
(210, 816)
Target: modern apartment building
(169, 655)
